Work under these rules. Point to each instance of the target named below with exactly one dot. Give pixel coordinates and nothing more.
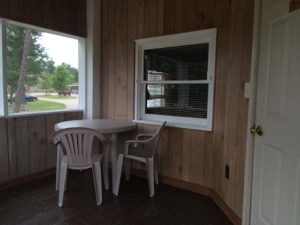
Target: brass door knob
(257, 130)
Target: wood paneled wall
(60, 15)
(193, 156)
(24, 144)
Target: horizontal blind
(180, 63)
(188, 100)
(187, 62)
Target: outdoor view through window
(41, 69)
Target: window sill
(173, 124)
(40, 113)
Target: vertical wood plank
(60, 117)
(111, 57)
(169, 17)
(175, 143)
(132, 27)
(243, 106)
(160, 16)
(12, 148)
(189, 15)
(197, 161)
(232, 95)
(205, 14)
(179, 16)
(147, 128)
(104, 57)
(51, 152)
(164, 153)
(141, 18)
(70, 116)
(22, 146)
(79, 115)
(186, 155)
(204, 17)
(222, 18)
(150, 18)
(121, 60)
(4, 152)
(37, 143)
(210, 159)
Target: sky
(60, 49)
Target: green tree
(37, 60)
(45, 82)
(24, 61)
(63, 76)
(49, 66)
(32, 80)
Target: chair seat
(96, 157)
(140, 152)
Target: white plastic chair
(76, 144)
(60, 156)
(135, 150)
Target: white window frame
(188, 38)
(3, 76)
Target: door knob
(257, 130)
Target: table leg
(114, 155)
(105, 169)
(58, 163)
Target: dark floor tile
(35, 203)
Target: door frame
(249, 156)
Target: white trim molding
(3, 78)
(207, 36)
(248, 175)
(93, 60)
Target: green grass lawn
(57, 97)
(41, 105)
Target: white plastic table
(105, 126)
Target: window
(40, 70)
(175, 79)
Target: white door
(276, 174)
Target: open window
(175, 79)
(41, 70)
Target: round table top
(101, 125)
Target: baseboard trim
(26, 179)
(200, 189)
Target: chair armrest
(143, 135)
(136, 141)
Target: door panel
(278, 67)
(270, 184)
(276, 173)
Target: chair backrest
(77, 144)
(157, 136)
